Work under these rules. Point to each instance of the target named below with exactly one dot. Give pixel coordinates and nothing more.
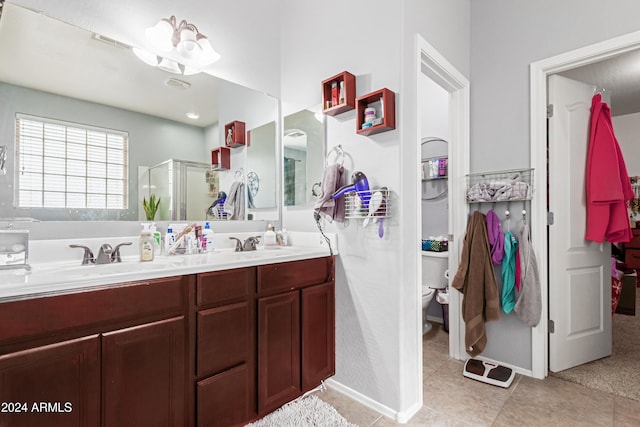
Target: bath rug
(309, 411)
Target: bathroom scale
(489, 373)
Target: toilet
(434, 277)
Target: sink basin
(124, 267)
(257, 254)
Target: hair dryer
(360, 185)
(222, 197)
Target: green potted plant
(151, 206)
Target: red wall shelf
(381, 98)
(220, 158)
(238, 137)
(332, 104)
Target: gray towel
(332, 180)
(235, 201)
(529, 305)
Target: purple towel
(496, 237)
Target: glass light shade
(146, 56)
(160, 35)
(169, 66)
(188, 47)
(208, 55)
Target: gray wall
(151, 141)
(506, 36)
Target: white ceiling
(620, 78)
(46, 54)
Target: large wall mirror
(303, 147)
(76, 79)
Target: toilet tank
(434, 269)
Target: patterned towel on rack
(497, 191)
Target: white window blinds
(68, 165)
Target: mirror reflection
(51, 70)
(303, 144)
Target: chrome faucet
(248, 245)
(106, 255)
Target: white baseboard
(401, 417)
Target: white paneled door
(579, 270)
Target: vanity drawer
(286, 276)
(88, 312)
(224, 338)
(219, 287)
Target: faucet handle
(238, 243)
(87, 258)
(115, 255)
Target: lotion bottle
(269, 240)
(207, 238)
(147, 248)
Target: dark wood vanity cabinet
(109, 357)
(210, 349)
(296, 329)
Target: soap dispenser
(269, 241)
(147, 243)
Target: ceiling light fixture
(192, 47)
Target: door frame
(432, 64)
(539, 71)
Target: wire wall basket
(368, 204)
(500, 186)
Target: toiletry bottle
(285, 237)
(341, 97)
(157, 238)
(146, 244)
(169, 239)
(207, 238)
(269, 241)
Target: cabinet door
(278, 350)
(53, 385)
(144, 375)
(318, 334)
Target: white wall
(377, 302)
(627, 130)
(505, 38)
(434, 107)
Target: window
(68, 165)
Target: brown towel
(332, 179)
(476, 279)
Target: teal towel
(508, 299)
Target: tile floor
(453, 400)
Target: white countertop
(63, 276)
